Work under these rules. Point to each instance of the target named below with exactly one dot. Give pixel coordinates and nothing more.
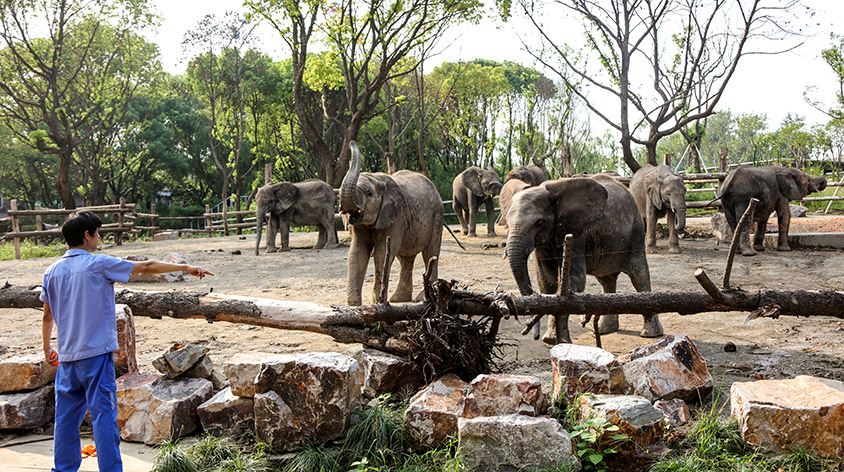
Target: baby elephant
(773, 186)
(470, 189)
(311, 202)
(660, 192)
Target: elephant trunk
(260, 212)
(817, 184)
(678, 206)
(517, 253)
(348, 190)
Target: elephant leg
(461, 217)
(548, 270)
(650, 230)
(473, 215)
(759, 235)
(744, 237)
(383, 261)
(673, 237)
(783, 224)
(608, 323)
(641, 279)
(284, 227)
(320, 243)
(404, 291)
(330, 233)
(490, 217)
(358, 259)
(272, 231)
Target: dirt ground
(766, 348)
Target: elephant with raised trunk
(609, 239)
(660, 192)
(311, 202)
(773, 186)
(471, 188)
(405, 207)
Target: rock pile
(26, 392)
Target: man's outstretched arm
(158, 267)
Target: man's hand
(197, 271)
(51, 356)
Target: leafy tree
(25, 174)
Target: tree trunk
(63, 179)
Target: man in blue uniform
(78, 296)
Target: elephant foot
(608, 324)
(674, 249)
(759, 247)
(284, 249)
(354, 301)
(472, 235)
(271, 250)
(331, 246)
(784, 247)
(650, 249)
(402, 295)
(748, 252)
(652, 328)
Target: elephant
(609, 238)
(469, 190)
(773, 186)
(658, 192)
(405, 207)
(311, 202)
(508, 191)
(531, 174)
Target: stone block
(180, 359)
(386, 373)
(243, 368)
(514, 442)
(634, 415)
(673, 367)
(431, 415)
(780, 415)
(504, 394)
(153, 410)
(202, 369)
(305, 398)
(580, 369)
(27, 372)
(165, 236)
(225, 414)
(125, 359)
(218, 379)
(676, 412)
(27, 410)
(720, 228)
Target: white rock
(242, 369)
(673, 367)
(580, 369)
(165, 236)
(504, 394)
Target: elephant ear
(286, 195)
(392, 203)
(654, 188)
(789, 184)
(579, 203)
(472, 181)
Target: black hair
(74, 228)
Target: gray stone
(243, 368)
(26, 410)
(202, 369)
(218, 380)
(513, 442)
(781, 415)
(720, 228)
(305, 398)
(386, 373)
(28, 372)
(504, 394)
(153, 410)
(798, 211)
(676, 412)
(673, 367)
(634, 415)
(165, 236)
(225, 414)
(431, 415)
(179, 359)
(808, 240)
(580, 369)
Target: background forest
(88, 115)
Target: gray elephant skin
(609, 239)
(517, 180)
(660, 192)
(531, 174)
(774, 187)
(311, 202)
(405, 207)
(471, 188)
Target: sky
(770, 84)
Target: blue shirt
(79, 288)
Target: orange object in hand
(54, 359)
(89, 451)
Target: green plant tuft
(314, 458)
(379, 432)
(211, 451)
(172, 458)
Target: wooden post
(208, 220)
(226, 216)
(154, 218)
(118, 236)
(722, 163)
(667, 158)
(16, 227)
(38, 227)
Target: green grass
(30, 251)
(212, 454)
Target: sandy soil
(766, 348)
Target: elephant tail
(713, 201)
(453, 236)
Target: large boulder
(125, 359)
(504, 394)
(720, 228)
(673, 367)
(153, 410)
(242, 369)
(634, 415)
(25, 372)
(26, 410)
(780, 415)
(225, 414)
(513, 442)
(580, 369)
(305, 398)
(382, 372)
(431, 415)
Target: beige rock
(27, 372)
(242, 369)
(165, 236)
(676, 412)
(779, 415)
(578, 369)
(504, 394)
(431, 415)
(26, 410)
(125, 359)
(385, 373)
(634, 415)
(225, 414)
(673, 367)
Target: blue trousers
(87, 384)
